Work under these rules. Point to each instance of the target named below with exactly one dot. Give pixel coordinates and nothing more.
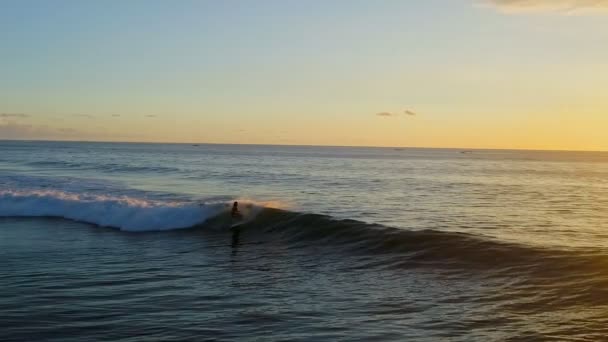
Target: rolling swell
(564, 277)
(103, 167)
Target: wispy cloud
(86, 116)
(386, 114)
(14, 115)
(559, 6)
(115, 115)
(151, 116)
(406, 112)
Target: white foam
(123, 212)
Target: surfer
(235, 213)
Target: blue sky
(504, 74)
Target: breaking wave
(123, 212)
(101, 204)
(415, 248)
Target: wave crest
(123, 212)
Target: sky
(521, 74)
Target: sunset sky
(435, 73)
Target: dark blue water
(133, 242)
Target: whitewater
(126, 213)
(99, 239)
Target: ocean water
(132, 242)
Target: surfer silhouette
(235, 213)
(236, 232)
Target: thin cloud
(14, 115)
(86, 116)
(406, 112)
(115, 115)
(559, 6)
(386, 114)
(151, 116)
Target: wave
(558, 278)
(122, 212)
(385, 247)
(393, 248)
(107, 167)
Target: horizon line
(302, 145)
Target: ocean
(133, 242)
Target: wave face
(420, 248)
(123, 212)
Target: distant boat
(466, 152)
